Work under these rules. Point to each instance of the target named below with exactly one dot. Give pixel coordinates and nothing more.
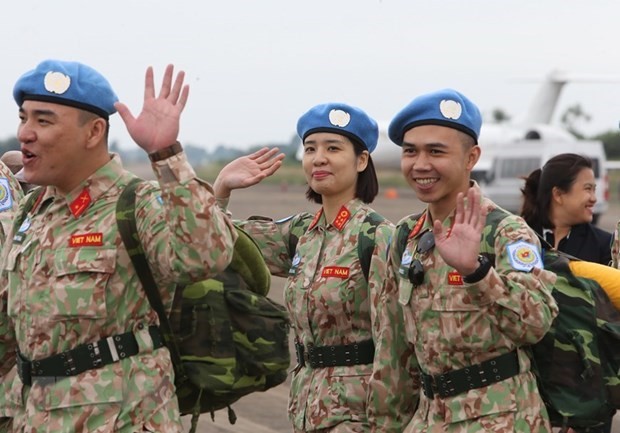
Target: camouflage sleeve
(8, 346)
(185, 235)
(615, 247)
(10, 196)
(277, 239)
(393, 387)
(520, 302)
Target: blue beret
(342, 119)
(445, 107)
(67, 83)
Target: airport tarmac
(267, 412)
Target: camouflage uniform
(454, 325)
(70, 281)
(10, 195)
(336, 310)
(615, 248)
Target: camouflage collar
(96, 185)
(347, 213)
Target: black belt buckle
(24, 369)
(300, 354)
(428, 385)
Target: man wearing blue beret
(77, 334)
(469, 278)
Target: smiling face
(331, 165)
(436, 162)
(57, 144)
(575, 206)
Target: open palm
(157, 126)
(459, 245)
(247, 170)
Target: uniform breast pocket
(79, 284)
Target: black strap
(332, 356)
(475, 376)
(126, 222)
(84, 357)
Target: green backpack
(226, 338)
(577, 363)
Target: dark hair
(87, 116)
(367, 186)
(559, 172)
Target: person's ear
(362, 161)
(97, 128)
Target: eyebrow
(38, 112)
(426, 145)
(328, 141)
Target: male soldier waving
(470, 280)
(89, 353)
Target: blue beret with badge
(445, 107)
(67, 83)
(339, 118)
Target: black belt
(84, 357)
(332, 356)
(475, 376)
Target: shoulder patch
(6, 199)
(524, 256)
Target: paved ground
(266, 412)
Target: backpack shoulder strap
(298, 228)
(127, 227)
(366, 240)
(402, 233)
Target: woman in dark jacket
(558, 203)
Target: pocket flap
(86, 259)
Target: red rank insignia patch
(80, 204)
(342, 218)
(335, 271)
(418, 226)
(315, 220)
(455, 279)
(86, 240)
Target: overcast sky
(255, 66)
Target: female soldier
(332, 304)
(557, 203)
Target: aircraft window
(518, 167)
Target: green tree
(611, 142)
(500, 116)
(572, 117)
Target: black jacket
(586, 242)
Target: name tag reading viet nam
(86, 240)
(335, 271)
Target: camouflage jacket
(68, 280)
(615, 247)
(331, 303)
(453, 325)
